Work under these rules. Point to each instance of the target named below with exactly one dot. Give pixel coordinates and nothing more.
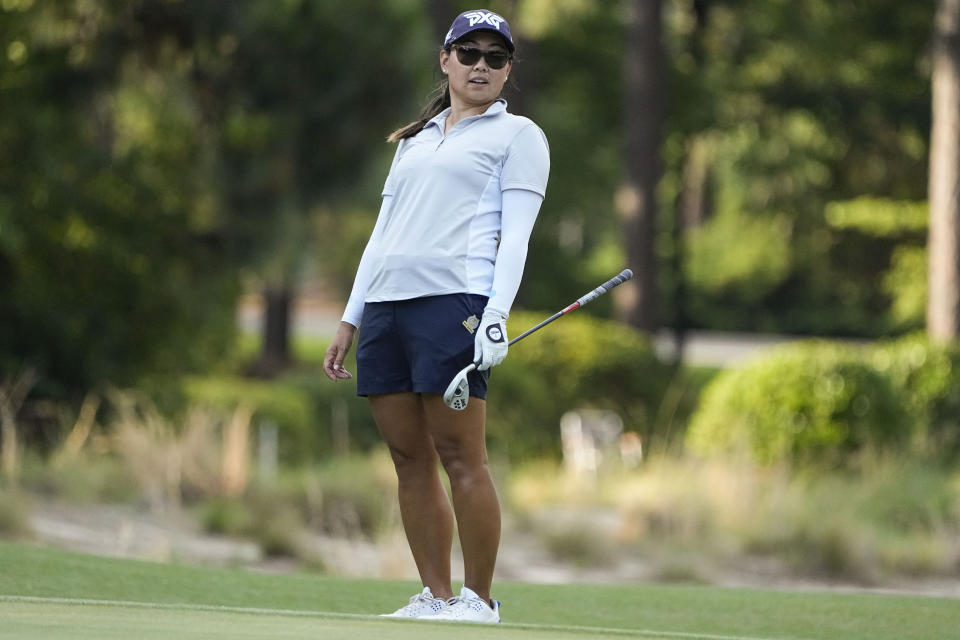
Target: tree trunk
(943, 305)
(275, 350)
(636, 199)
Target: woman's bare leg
(460, 441)
(424, 506)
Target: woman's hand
(337, 351)
(490, 346)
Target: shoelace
(420, 597)
(476, 603)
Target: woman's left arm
(523, 181)
(519, 213)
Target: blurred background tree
(644, 107)
(111, 264)
(790, 106)
(943, 315)
(156, 151)
(299, 95)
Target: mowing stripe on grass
(641, 633)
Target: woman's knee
(458, 439)
(459, 460)
(413, 461)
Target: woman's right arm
(361, 281)
(343, 340)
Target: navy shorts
(419, 345)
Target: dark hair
(439, 100)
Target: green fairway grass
(47, 593)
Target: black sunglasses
(469, 56)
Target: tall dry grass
(895, 517)
(892, 517)
(13, 393)
(120, 447)
(205, 455)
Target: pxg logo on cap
(478, 20)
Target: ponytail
(439, 100)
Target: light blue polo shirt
(441, 231)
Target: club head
(458, 391)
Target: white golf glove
(490, 345)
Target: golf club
(458, 391)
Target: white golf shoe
(422, 605)
(469, 607)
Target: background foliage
(158, 158)
(816, 403)
(580, 363)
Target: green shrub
(929, 376)
(577, 362)
(807, 402)
(813, 399)
(230, 517)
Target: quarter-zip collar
(440, 120)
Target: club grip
(620, 278)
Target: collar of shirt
(499, 106)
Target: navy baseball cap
(478, 20)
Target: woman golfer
(432, 291)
